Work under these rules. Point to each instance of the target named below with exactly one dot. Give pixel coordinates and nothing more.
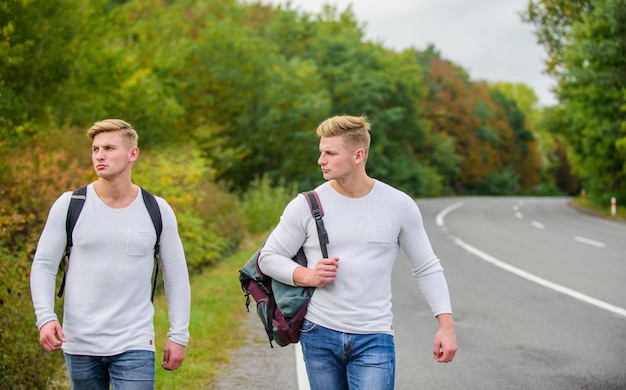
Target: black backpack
(282, 307)
(76, 205)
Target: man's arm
(177, 289)
(430, 278)
(46, 261)
(284, 241)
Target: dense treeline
(586, 45)
(226, 96)
(246, 84)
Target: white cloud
(486, 37)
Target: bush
(264, 204)
(503, 182)
(209, 218)
(31, 178)
(23, 362)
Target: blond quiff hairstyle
(109, 125)
(354, 130)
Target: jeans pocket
(307, 326)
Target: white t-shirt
(366, 234)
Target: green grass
(586, 205)
(217, 311)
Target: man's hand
(173, 355)
(445, 339)
(51, 335)
(324, 273)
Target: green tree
(553, 20)
(35, 58)
(124, 57)
(594, 94)
(585, 42)
(253, 108)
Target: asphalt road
(538, 293)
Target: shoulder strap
(76, 205)
(155, 215)
(318, 213)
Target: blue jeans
(131, 370)
(346, 361)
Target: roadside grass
(217, 311)
(585, 205)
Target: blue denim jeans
(131, 370)
(346, 361)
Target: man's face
(111, 154)
(336, 161)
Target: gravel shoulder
(255, 365)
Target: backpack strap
(76, 205)
(317, 212)
(155, 215)
(77, 201)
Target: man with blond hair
(347, 335)
(107, 334)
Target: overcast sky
(485, 37)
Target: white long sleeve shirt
(107, 307)
(366, 234)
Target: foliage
(32, 176)
(35, 176)
(117, 69)
(586, 45)
(553, 20)
(505, 182)
(209, 219)
(34, 61)
(605, 211)
(21, 351)
(263, 204)
(488, 129)
(594, 91)
(559, 161)
(247, 84)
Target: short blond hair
(109, 125)
(354, 130)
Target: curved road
(538, 293)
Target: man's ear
(133, 153)
(359, 155)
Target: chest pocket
(379, 230)
(140, 242)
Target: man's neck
(354, 188)
(116, 194)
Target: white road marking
(538, 225)
(589, 241)
(303, 381)
(527, 275)
(446, 211)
